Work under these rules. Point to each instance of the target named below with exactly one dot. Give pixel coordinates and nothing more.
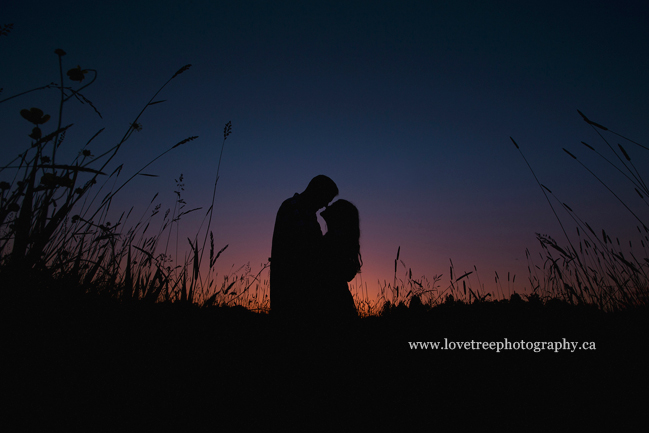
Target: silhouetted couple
(309, 272)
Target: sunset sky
(407, 106)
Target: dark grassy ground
(96, 365)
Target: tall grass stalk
(55, 232)
(597, 272)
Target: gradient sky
(408, 106)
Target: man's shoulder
(291, 202)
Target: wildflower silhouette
(35, 116)
(77, 74)
(59, 52)
(36, 133)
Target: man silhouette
(296, 242)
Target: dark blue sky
(408, 106)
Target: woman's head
(341, 215)
(343, 225)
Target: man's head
(320, 191)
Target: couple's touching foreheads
(309, 271)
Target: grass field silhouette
(102, 330)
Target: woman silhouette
(340, 261)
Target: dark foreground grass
(98, 365)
